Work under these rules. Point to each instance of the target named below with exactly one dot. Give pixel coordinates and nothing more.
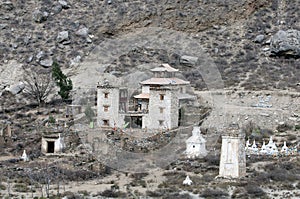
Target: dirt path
(5, 158)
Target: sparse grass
(255, 191)
(85, 193)
(20, 187)
(214, 193)
(2, 187)
(113, 194)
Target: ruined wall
(232, 162)
(44, 145)
(174, 110)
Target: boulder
(83, 32)
(75, 61)
(57, 8)
(39, 16)
(188, 60)
(64, 4)
(16, 88)
(259, 38)
(62, 36)
(46, 62)
(286, 43)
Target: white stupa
(24, 156)
(195, 145)
(284, 149)
(247, 145)
(271, 147)
(187, 181)
(270, 142)
(253, 148)
(263, 149)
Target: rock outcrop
(286, 43)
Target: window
(122, 106)
(105, 122)
(162, 96)
(161, 110)
(123, 94)
(105, 108)
(161, 122)
(105, 95)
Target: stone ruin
(233, 158)
(195, 145)
(6, 131)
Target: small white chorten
(284, 149)
(271, 147)
(187, 181)
(24, 156)
(263, 149)
(195, 145)
(254, 148)
(247, 144)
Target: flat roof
(165, 81)
(142, 96)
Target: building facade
(155, 107)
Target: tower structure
(162, 94)
(233, 158)
(107, 104)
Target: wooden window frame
(161, 97)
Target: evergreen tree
(61, 80)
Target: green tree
(61, 80)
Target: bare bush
(254, 190)
(38, 85)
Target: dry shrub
(113, 194)
(212, 159)
(254, 190)
(214, 193)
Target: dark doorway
(105, 123)
(50, 148)
(181, 117)
(135, 122)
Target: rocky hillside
(236, 34)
